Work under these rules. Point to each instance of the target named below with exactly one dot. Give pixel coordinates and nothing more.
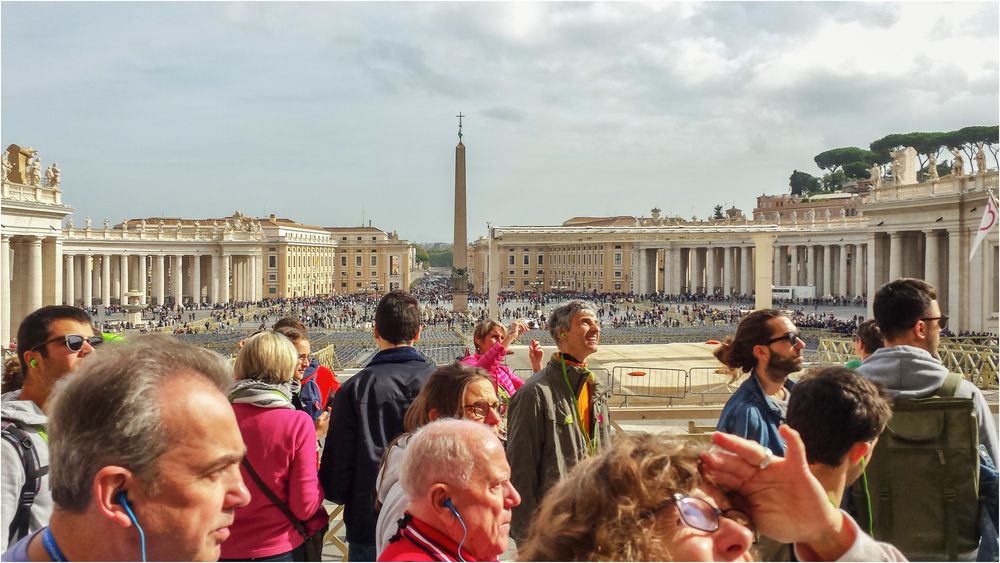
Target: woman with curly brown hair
(642, 500)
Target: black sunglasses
(791, 337)
(74, 341)
(942, 321)
(699, 514)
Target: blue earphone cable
(142, 535)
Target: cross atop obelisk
(460, 260)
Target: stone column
(827, 271)
(858, 264)
(258, 279)
(492, 274)
(811, 265)
(727, 270)
(224, 279)
(745, 270)
(252, 278)
(670, 264)
(460, 291)
(956, 269)
(842, 273)
(78, 280)
(5, 301)
(88, 280)
(143, 278)
(697, 270)
(763, 251)
(33, 295)
(778, 265)
(69, 274)
(711, 270)
(159, 279)
(105, 280)
(176, 278)
(52, 271)
(196, 279)
(793, 278)
(895, 255)
(213, 285)
(125, 286)
(932, 255)
(871, 273)
(116, 277)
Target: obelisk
(460, 260)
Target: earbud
(447, 504)
(862, 462)
(122, 498)
(33, 363)
(562, 335)
(465, 531)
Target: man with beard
(767, 345)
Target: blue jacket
(751, 415)
(367, 415)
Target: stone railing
(942, 186)
(978, 363)
(35, 194)
(166, 233)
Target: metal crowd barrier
(648, 382)
(706, 383)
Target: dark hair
(443, 392)
(899, 304)
(292, 334)
(869, 336)
(13, 377)
(834, 408)
(737, 351)
(290, 322)
(397, 317)
(34, 329)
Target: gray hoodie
(911, 373)
(31, 419)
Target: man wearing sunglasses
(51, 342)
(767, 345)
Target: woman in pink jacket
(492, 341)
(281, 449)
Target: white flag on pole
(986, 225)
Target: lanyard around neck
(576, 416)
(51, 547)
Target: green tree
(835, 159)
(834, 181)
(421, 255)
(717, 213)
(803, 183)
(857, 170)
(924, 143)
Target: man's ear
(375, 331)
(108, 483)
(920, 330)
(859, 450)
(439, 493)
(761, 353)
(416, 336)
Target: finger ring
(767, 458)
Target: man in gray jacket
(559, 416)
(910, 320)
(51, 342)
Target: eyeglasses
(74, 341)
(481, 408)
(791, 337)
(942, 321)
(699, 514)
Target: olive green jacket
(544, 440)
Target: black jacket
(368, 414)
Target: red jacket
(326, 381)
(417, 541)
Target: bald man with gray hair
(458, 482)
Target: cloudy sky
(337, 113)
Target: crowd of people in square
(148, 448)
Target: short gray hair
(269, 357)
(563, 315)
(108, 412)
(444, 451)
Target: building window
(272, 261)
(357, 261)
(541, 259)
(618, 258)
(374, 260)
(525, 273)
(540, 272)
(618, 286)
(510, 260)
(343, 261)
(526, 260)
(510, 273)
(272, 290)
(374, 274)
(272, 277)
(618, 273)
(357, 274)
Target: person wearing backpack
(931, 447)
(51, 342)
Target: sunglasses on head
(482, 408)
(74, 341)
(791, 337)
(699, 514)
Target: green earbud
(33, 363)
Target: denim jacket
(751, 415)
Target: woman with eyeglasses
(642, 500)
(453, 391)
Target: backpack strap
(33, 473)
(950, 385)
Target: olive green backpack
(920, 491)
